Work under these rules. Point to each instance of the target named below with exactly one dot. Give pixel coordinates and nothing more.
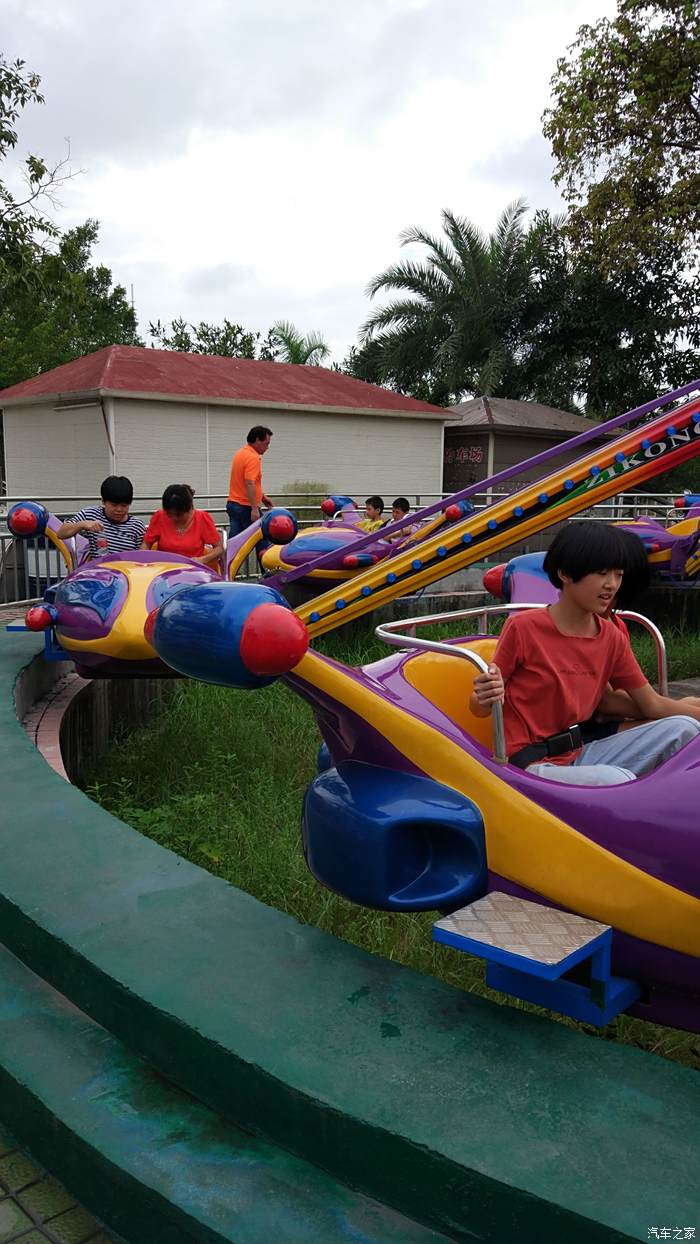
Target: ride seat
(448, 681)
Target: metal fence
(28, 566)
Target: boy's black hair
(587, 547)
(401, 504)
(117, 489)
(258, 433)
(178, 497)
(377, 503)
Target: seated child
(400, 509)
(552, 666)
(109, 528)
(374, 508)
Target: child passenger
(374, 509)
(551, 668)
(109, 527)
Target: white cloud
(258, 161)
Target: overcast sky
(257, 159)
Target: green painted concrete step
(154, 1164)
(481, 1121)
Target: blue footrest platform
(529, 948)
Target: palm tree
(459, 325)
(293, 347)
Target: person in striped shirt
(108, 528)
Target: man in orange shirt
(245, 491)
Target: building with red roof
(160, 417)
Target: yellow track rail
(626, 461)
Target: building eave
(95, 395)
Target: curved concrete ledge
(476, 1120)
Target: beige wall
(161, 442)
(50, 454)
(166, 442)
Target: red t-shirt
(554, 680)
(190, 543)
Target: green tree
(61, 308)
(625, 133)
(227, 339)
(291, 346)
(592, 341)
(455, 329)
(23, 226)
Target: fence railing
(28, 566)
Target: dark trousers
(238, 518)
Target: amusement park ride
(583, 899)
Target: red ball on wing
(281, 528)
(24, 522)
(493, 580)
(38, 618)
(148, 626)
(273, 640)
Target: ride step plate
(529, 948)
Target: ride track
(627, 461)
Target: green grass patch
(218, 776)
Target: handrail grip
(390, 633)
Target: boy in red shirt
(552, 666)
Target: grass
(218, 776)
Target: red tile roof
(134, 369)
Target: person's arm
(250, 493)
(211, 555)
(213, 543)
(76, 525)
(150, 535)
(618, 704)
(488, 688)
(267, 502)
(652, 706)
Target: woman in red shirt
(179, 528)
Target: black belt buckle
(568, 741)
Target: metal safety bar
(628, 615)
(392, 633)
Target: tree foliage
(54, 305)
(24, 227)
(451, 330)
(227, 339)
(283, 343)
(291, 346)
(594, 341)
(524, 314)
(62, 308)
(625, 132)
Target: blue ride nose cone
(198, 632)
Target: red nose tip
(273, 640)
(149, 625)
(37, 618)
(281, 528)
(493, 580)
(679, 503)
(24, 522)
(328, 507)
(453, 512)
